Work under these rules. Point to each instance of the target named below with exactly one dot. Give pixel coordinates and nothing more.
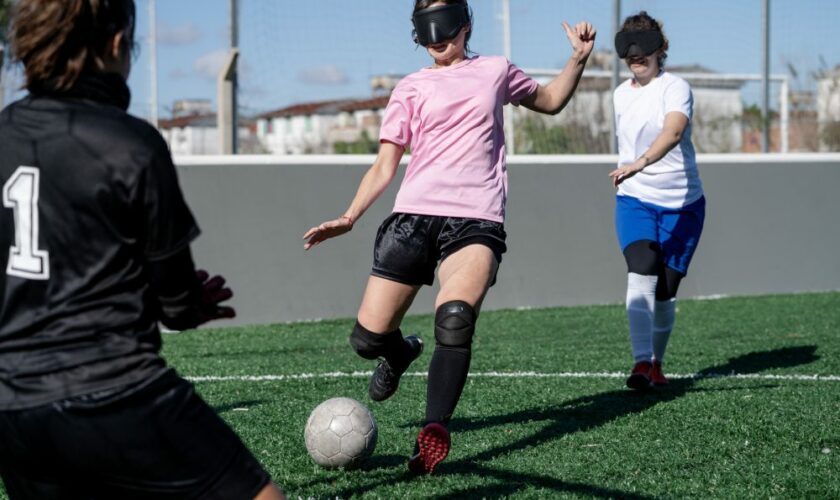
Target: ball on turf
(340, 432)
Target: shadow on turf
(580, 414)
(759, 361)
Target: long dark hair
(58, 40)
(643, 22)
(424, 4)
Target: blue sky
(303, 50)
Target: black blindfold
(638, 43)
(438, 24)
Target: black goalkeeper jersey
(90, 199)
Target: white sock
(641, 296)
(663, 323)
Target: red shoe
(640, 376)
(656, 376)
(433, 446)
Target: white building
(191, 135)
(199, 135)
(316, 127)
(718, 108)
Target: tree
(365, 145)
(535, 136)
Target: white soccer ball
(340, 432)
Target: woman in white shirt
(660, 207)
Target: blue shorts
(677, 230)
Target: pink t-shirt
(452, 119)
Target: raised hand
(581, 37)
(327, 230)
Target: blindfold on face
(438, 24)
(638, 43)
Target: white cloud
(324, 75)
(209, 65)
(178, 35)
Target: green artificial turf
(710, 436)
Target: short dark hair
(58, 40)
(424, 4)
(643, 22)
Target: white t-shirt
(673, 181)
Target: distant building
(316, 127)
(193, 131)
(191, 135)
(718, 108)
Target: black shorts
(409, 246)
(161, 441)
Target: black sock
(398, 352)
(447, 376)
(391, 346)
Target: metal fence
(297, 56)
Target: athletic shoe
(657, 378)
(640, 376)
(432, 447)
(385, 379)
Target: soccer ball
(340, 432)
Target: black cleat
(386, 380)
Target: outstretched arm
(552, 98)
(373, 184)
(672, 132)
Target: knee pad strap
(455, 324)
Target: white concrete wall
(771, 227)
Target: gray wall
(772, 226)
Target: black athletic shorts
(161, 441)
(409, 246)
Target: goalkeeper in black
(94, 252)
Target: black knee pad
(455, 324)
(366, 343)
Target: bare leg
(385, 303)
(466, 275)
(464, 279)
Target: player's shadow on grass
(755, 362)
(568, 417)
(589, 412)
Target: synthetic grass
(559, 437)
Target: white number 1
(20, 193)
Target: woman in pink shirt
(450, 207)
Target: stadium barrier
(772, 226)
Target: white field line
(524, 375)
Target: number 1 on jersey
(20, 193)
